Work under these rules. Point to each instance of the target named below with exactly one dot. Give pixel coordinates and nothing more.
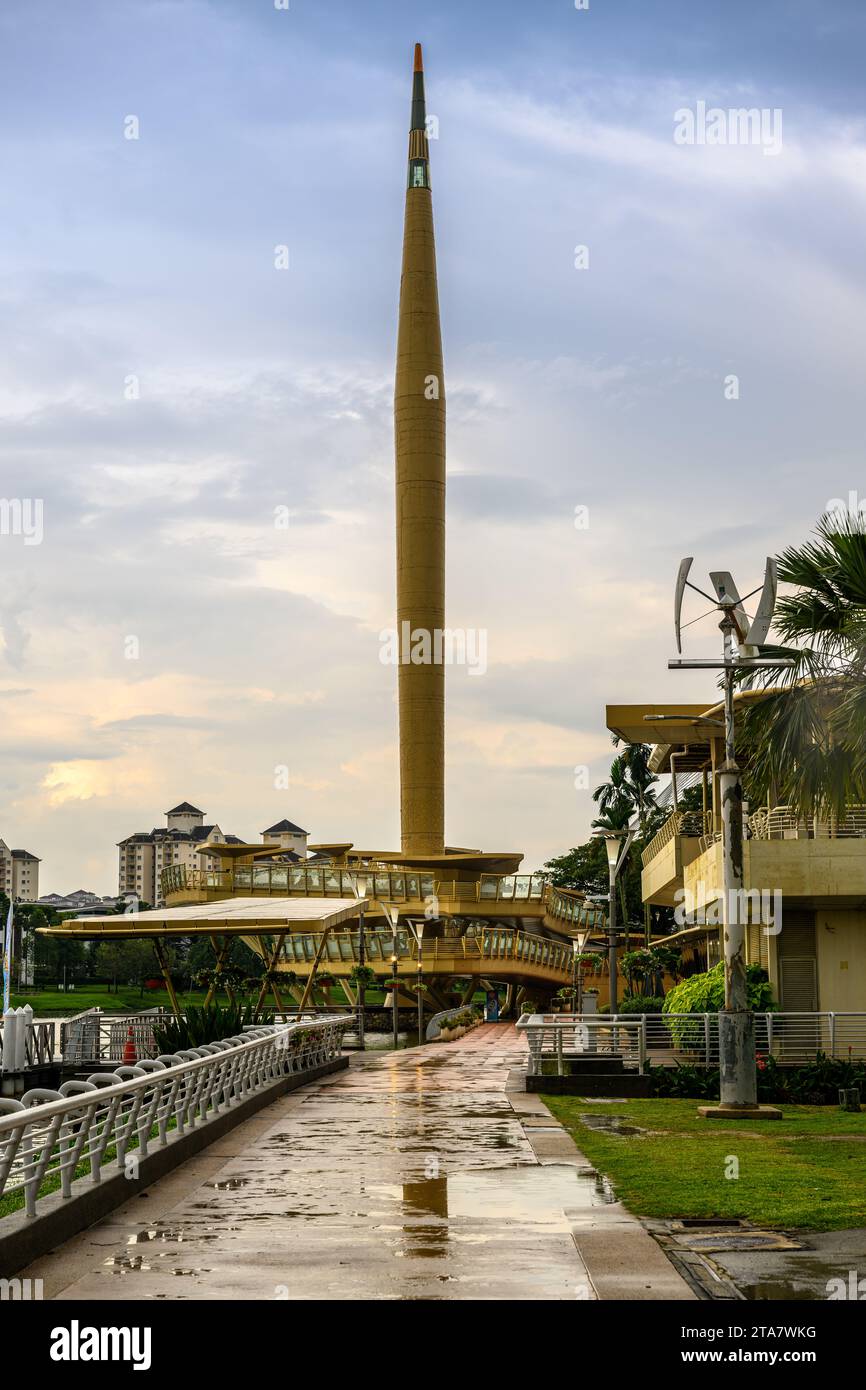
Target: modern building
(804, 877)
(19, 874)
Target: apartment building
(19, 874)
(143, 855)
(286, 838)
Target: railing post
(832, 1019)
(769, 1018)
(642, 1045)
(707, 1045)
(560, 1061)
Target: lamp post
(393, 915)
(361, 886)
(617, 843)
(419, 933)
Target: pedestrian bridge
(502, 953)
(485, 896)
(300, 938)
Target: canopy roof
(229, 916)
(685, 729)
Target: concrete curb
(621, 1259)
(23, 1239)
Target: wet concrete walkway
(423, 1174)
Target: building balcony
(819, 862)
(665, 858)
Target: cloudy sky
(167, 392)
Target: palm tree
(629, 792)
(617, 805)
(641, 781)
(807, 736)
(616, 797)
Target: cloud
(258, 390)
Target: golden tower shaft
(419, 433)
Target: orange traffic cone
(129, 1052)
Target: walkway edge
(621, 1258)
(24, 1239)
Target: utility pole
(738, 1079)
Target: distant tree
(131, 961)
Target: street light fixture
(617, 843)
(418, 928)
(361, 888)
(393, 914)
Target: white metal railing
(97, 1037)
(48, 1138)
(786, 823)
(555, 1038)
(25, 1042)
(792, 1039)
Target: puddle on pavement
(173, 1235)
(789, 1278)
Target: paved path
(422, 1174)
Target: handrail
(48, 1134)
(485, 943)
(792, 1039)
(787, 823)
(30, 1041)
(395, 885)
(555, 1038)
(691, 824)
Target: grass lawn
(129, 999)
(792, 1173)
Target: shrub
(206, 1024)
(641, 1004)
(705, 994)
(817, 1083)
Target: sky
(167, 392)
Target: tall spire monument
(419, 433)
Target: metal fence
(556, 1038)
(48, 1138)
(690, 1039)
(25, 1042)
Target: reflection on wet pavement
(409, 1176)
